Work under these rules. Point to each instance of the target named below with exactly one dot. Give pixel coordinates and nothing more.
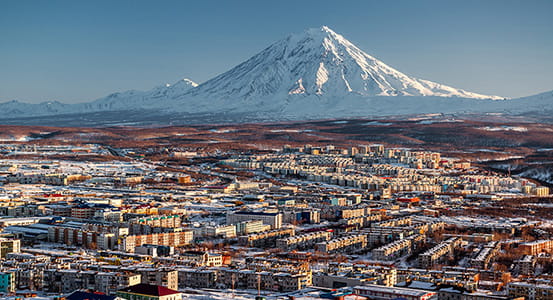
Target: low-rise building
(148, 292)
(379, 292)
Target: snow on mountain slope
(16, 108)
(317, 62)
(140, 99)
(128, 100)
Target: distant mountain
(314, 74)
(138, 99)
(123, 101)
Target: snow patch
(504, 128)
(376, 123)
(298, 88)
(322, 77)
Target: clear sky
(76, 51)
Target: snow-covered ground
(504, 128)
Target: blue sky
(76, 51)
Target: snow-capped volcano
(319, 62)
(314, 74)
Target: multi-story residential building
(303, 241)
(485, 256)
(76, 235)
(527, 265)
(197, 278)
(274, 219)
(379, 292)
(536, 247)
(540, 191)
(110, 282)
(7, 282)
(173, 239)
(170, 221)
(350, 243)
(9, 246)
(275, 265)
(83, 211)
(154, 250)
(266, 239)
(167, 277)
(66, 280)
(51, 179)
(204, 258)
(398, 248)
(438, 252)
(265, 280)
(530, 291)
(254, 226)
(225, 231)
(340, 275)
(293, 216)
(396, 222)
(475, 237)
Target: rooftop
(148, 289)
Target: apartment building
(274, 219)
(530, 291)
(266, 239)
(67, 280)
(346, 244)
(379, 292)
(536, 247)
(527, 265)
(396, 222)
(197, 278)
(91, 239)
(173, 239)
(169, 221)
(303, 241)
(396, 249)
(485, 256)
(7, 282)
(540, 191)
(110, 282)
(253, 226)
(275, 265)
(341, 275)
(266, 280)
(203, 258)
(439, 252)
(362, 221)
(9, 246)
(225, 231)
(167, 277)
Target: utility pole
(259, 285)
(233, 279)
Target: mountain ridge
(314, 74)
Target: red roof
(409, 200)
(150, 290)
